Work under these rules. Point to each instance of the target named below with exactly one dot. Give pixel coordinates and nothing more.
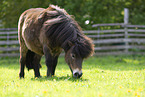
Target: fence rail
(109, 39)
(9, 45)
(118, 38)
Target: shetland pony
(47, 32)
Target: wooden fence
(109, 39)
(9, 45)
(118, 38)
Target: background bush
(96, 11)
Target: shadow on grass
(62, 78)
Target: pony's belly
(35, 48)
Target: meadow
(105, 76)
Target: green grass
(107, 76)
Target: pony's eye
(73, 55)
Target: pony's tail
(29, 60)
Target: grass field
(108, 76)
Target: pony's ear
(47, 14)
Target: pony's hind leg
(23, 48)
(23, 52)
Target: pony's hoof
(21, 77)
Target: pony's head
(81, 49)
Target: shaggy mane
(65, 32)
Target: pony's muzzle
(77, 73)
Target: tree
(95, 11)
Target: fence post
(126, 19)
(7, 41)
(98, 35)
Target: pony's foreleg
(54, 65)
(51, 61)
(48, 60)
(36, 62)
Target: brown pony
(46, 32)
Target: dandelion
(7, 85)
(17, 85)
(140, 89)
(120, 87)
(45, 91)
(136, 94)
(67, 91)
(129, 91)
(63, 71)
(45, 75)
(36, 77)
(100, 95)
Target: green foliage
(96, 11)
(107, 76)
